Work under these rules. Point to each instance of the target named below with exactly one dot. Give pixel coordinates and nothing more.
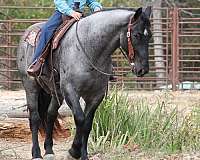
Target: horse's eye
(138, 35)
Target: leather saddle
(33, 35)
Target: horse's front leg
(32, 94)
(90, 112)
(72, 99)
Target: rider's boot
(35, 68)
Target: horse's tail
(43, 104)
(44, 100)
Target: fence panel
(174, 51)
(189, 48)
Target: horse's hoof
(75, 154)
(49, 157)
(69, 157)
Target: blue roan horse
(88, 45)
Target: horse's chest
(87, 82)
(84, 78)
(90, 83)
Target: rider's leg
(46, 34)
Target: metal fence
(188, 47)
(174, 51)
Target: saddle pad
(33, 36)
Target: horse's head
(139, 35)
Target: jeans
(47, 32)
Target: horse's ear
(148, 11)
(137, 14)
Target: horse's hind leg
(32, 93)
(51, 117)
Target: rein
(131, 53)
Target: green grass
(120, 121)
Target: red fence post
(175, 48)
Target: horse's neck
(109, 20)
(103, 30)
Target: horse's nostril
(140, 72)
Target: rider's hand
(76, 15)
(97, 9)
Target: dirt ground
(15, 142)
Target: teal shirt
(66, 6)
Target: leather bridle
(131, 53)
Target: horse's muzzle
(141, 72)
